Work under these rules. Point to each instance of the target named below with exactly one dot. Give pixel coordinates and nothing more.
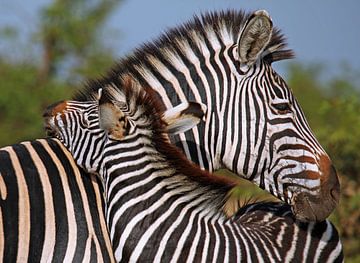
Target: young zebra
(161, 207)
(50, 210)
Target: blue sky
(326, 31)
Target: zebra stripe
(50, 210)
(49, 205)
(161, 207)
(245, 129)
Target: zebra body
(50, 210)
(254, 126)
(161, 207)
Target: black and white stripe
(50, 210)
(254, 127)
(160, 207)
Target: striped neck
(157, 174)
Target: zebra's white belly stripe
(24, 209)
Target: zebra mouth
(49, 128)
(50, 132)
(302, 208)
(307, 208)
(49, 118)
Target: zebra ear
(254, 37)
(112, 120)
(184, 116)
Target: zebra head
(87, 128)
(270, 141)
(254, 127)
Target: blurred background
(48, 48)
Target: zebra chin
(308, 207)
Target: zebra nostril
(334, 193)
(333, 185)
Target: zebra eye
(282, 107)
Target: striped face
(274, 146)
(90, 130)
(76, 125)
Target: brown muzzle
(310, 207)
(55, 108)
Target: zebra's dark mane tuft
(143, 99)
(225, 26)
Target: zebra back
(50, 209)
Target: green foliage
(22, 100)
(347, 218)
(72, 50)
(71, 32)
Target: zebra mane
(141, 99)
(221, 27)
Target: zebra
(50, 210)
(208, 39)
(254, 126)
(162, 207)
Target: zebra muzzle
(310, 207)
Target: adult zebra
(161, 207)
(254, 126)
(50, 210)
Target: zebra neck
(153, 181)
(156, 191)
(160, 178)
